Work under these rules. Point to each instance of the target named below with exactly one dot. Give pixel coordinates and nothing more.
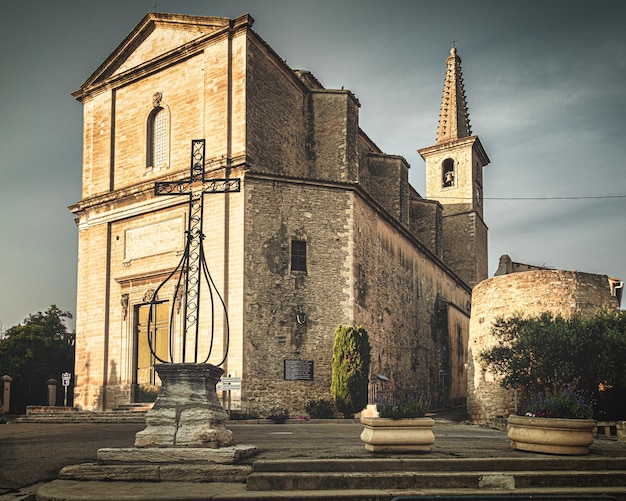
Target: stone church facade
(325, 230)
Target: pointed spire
(453, 118)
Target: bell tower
(454, 177)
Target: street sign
(229, 384)
(65, 381)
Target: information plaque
(298, 370)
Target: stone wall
(276, 213)
(360, 271)
(426, 223)
(530, 293)
(464, 245)
(410, 308)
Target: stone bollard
(621, 431)
(52, 391)
(6, 393)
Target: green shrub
(243, 415)
(541, 355)
(350, 369)
(320, 409)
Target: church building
(324, 228)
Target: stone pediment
(157, 36)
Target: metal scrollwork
(192, 270)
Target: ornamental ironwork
(192, 270)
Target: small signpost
(65, 381)
(229, 384)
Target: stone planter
(397, 435)
(551, 435)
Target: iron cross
(193, 263)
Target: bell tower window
(447, 173)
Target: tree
(547, 352)
(35, 351)
(350, 369)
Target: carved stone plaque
(153, 239)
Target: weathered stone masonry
(531, 293)
(374, 247)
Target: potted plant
(554, 422)
(545, 359)
(401, 425)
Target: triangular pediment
(156, 35)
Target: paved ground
(32, 453)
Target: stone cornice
(137, 199)
(457, 144)
(139, 279)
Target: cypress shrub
(350, 369)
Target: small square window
(298, 255)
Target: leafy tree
(35, 351)
(547, 352)
(350, 369)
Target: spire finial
(454, 117)
(453, 41)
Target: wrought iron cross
(192, 266)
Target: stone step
(410, 480)
(545, 463)
(151, 472)
(84, 417)
(134, 407)
(59, 490)
(418, 475)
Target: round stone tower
(529, 293)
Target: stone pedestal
(185, 439)
(187, 412)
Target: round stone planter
(551, 435)
(397, 435)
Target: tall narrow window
(447, 173)
(157, 138)
(298, 255)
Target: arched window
(447, 173)
(157, 138)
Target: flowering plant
(279, 417)
(566, 402)
(405, 404)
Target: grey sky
(545, 83)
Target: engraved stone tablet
(153, 239)
(298, 370)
